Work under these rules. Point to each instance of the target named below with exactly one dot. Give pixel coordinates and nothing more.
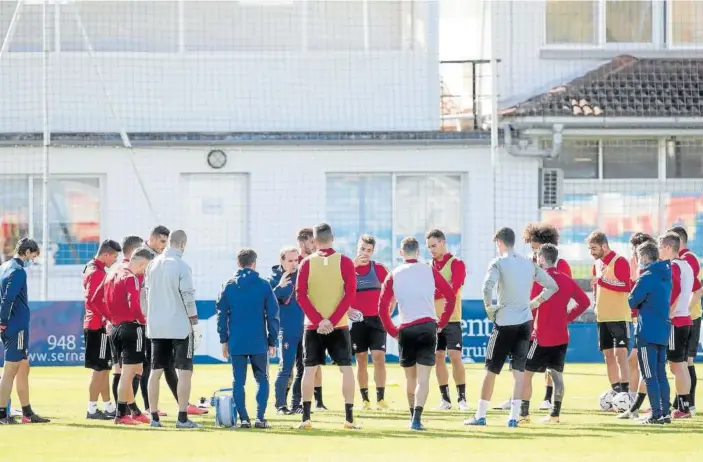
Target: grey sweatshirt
(513, 275)
(170, 296)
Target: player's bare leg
(518, 384)
(623, 367)
(422, 390)
(634, 410)
(362, 377)
(348, 394)
(682, 380)
(125, 392)
(410, 387)
(8, 378)
(22, 384)
(487, 385)
(555, 412)
(108, 407)
(154, 388)
(378, 358)
(694, 382)
(459, 375)
(319, 403)
(526, 396)
(548, 392)
(307, 390)
(442, 374)
(634, 370)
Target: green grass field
(60, 393)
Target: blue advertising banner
(56, 336)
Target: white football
(606, 401)
(622, 401)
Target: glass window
(423, 202)
(686, 160)
(629, 159)
(686, 209)
(358, 204)
(578, 159)
(628, 21)
(121, 26)
(74, 218)
(335, 26)
(14, 214)
(390, 24)
(686, 17)
(28, 36)
(570, 22)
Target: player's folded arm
(273, 323)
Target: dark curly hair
(639, 238)
(541, 233)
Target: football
(606, 401)
(622, 401)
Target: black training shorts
(508, 342)
(337, 344)
(613, 334)
(677, 351)
(450, 338)
(541, 358)
(98, 350)
(417, 344)
(368, 335)
(176, 352)
(129, 342)
(695, 338)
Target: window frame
(670, 30)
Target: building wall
(274, 192)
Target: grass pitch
(584, 434)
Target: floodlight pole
(45, 154)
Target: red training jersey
(692, 260)
(552, 316)
(458, 273)
(367, 299)
(562, 266)
(122, 298)
(93, 276)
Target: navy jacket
(292, 316)
(247, 314)
(651, 296)
(14, 303)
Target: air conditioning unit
(551, 188)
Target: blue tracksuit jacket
(14, 303)
(247, 314)
(292, 316)
(651, 296)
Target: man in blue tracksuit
(283, 281)
(247, 321)
(14, 331)
(651, 297)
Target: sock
(683, 403)
(306, 410)
(3, 413)
(548, 393)
(134, 408)
(694, 380)
(638, 402)
(318, 396)
(380, 393)
(182, 416)
(625, 387)
(364, 394)
(92, 406)
(121, 409)
(481, 409)
(417, 414)
(27, 410)
(115, 385)
(136, 381)
(412, 409)
(349, 412)
(515, 408)
(525, 408)
(616, 387)
(109, 407)
(444, 390)
(461, 392)
(556, 409)
(155, 416)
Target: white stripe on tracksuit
(491, 344)
(20, 340)
(533, 348)
(103, 346)
(645, 363)
(140, 339)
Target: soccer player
(611, 284)
(14, 331)
(513, 276)
(127, 318)
(651, 297)
(248, 323)
(414, 285)
(98, 354)
(369, 335)
(450, 338)
(325, 290)
(550, 335)
(170, 317)
(694, 339)
(291, 316)
(680, 313)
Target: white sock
(108, 406)
(482, 408)
(515, 409)
(92, 406)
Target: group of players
(329, 304)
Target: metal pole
(45, 155)
(494, 101)
(11, 30)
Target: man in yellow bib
(611, 284)
(325, 290)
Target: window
(578, 159)
(390, 24)
(685, 160)
(686, 209)
(628, 21)
(630, 159)
(74, 216)
(335, 26)
(686, 22)
(571, 22)
(28, 36)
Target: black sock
(417, 414)
(318, 396)
(349, 412)
(135, 384)
(306, 410)
(461, 392)
(625, 387)
(171, 377)
(155, 416)
(683, 403)
(380, 393)
(182, 416)
(616, 387)
(694, 380)
(27, 410)
(144, 387)
(556, 409)
(524, 408)
(444, 390)
(548, 393)
(638, 402)
(364, 394)
(3, 413)
(115, 384)
(121, 409)
(412, 409)
(134, 408)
